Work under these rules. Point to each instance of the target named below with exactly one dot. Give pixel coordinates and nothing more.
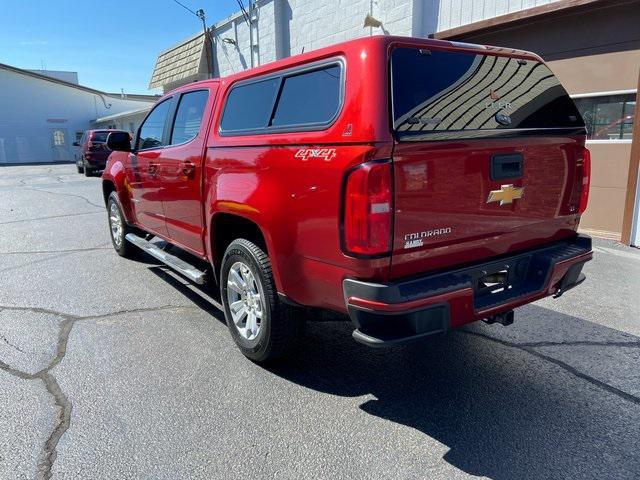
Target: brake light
(586, 181)
(367, 214)
(581, 179)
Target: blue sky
(111, 44)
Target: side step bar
(180, 266)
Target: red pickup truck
(415, 185)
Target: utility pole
(251, 6)
(208, 51)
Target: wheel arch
(224, 227)
(114, 180)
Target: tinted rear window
(301, 100)
(437, 91)
(312, 97)
(99, 136)
(249, 106)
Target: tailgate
(487, 161)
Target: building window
(608, 117)
(58, 138)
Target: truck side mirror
(119, 142)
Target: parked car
(413, 185)
(93, 150)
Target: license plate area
(492, 283)
(500, 280)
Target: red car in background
(93, 150)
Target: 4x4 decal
(306, 153)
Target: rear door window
(441, 92)
(189, 116)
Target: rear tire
(80, 169)
(118, 228)
(263, 327)
(88, 172)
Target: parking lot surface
(112, 368)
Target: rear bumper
(95, 160)
(401, 311)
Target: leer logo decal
(326, 153)
(495, 103)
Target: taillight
(580, 190)
(586, 181)
(367, 214)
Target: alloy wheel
(245, 296)
(115, 221)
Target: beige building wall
(595, 49)
(609, 160)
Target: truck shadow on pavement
(505, 409)
(553, 396)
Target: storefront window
(608, 117)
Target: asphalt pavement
(113, 368)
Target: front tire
(118, 228)
(263, 328)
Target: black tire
(88, 172)
(278, 326)
(122, 247)
(80, 169)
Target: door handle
(153, 169)
(188, 167)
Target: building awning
(185, 61)
(128, 113)
(554, 8)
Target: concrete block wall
(454, 13)
(284, 27)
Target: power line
(247, 19)
(186, 8)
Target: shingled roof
(185, 61)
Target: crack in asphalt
(65, 195)
(579, 343)
(48, 218)
(528, 348)
(71, 250)
(62, 403)
(15, 347)
(60, 254)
